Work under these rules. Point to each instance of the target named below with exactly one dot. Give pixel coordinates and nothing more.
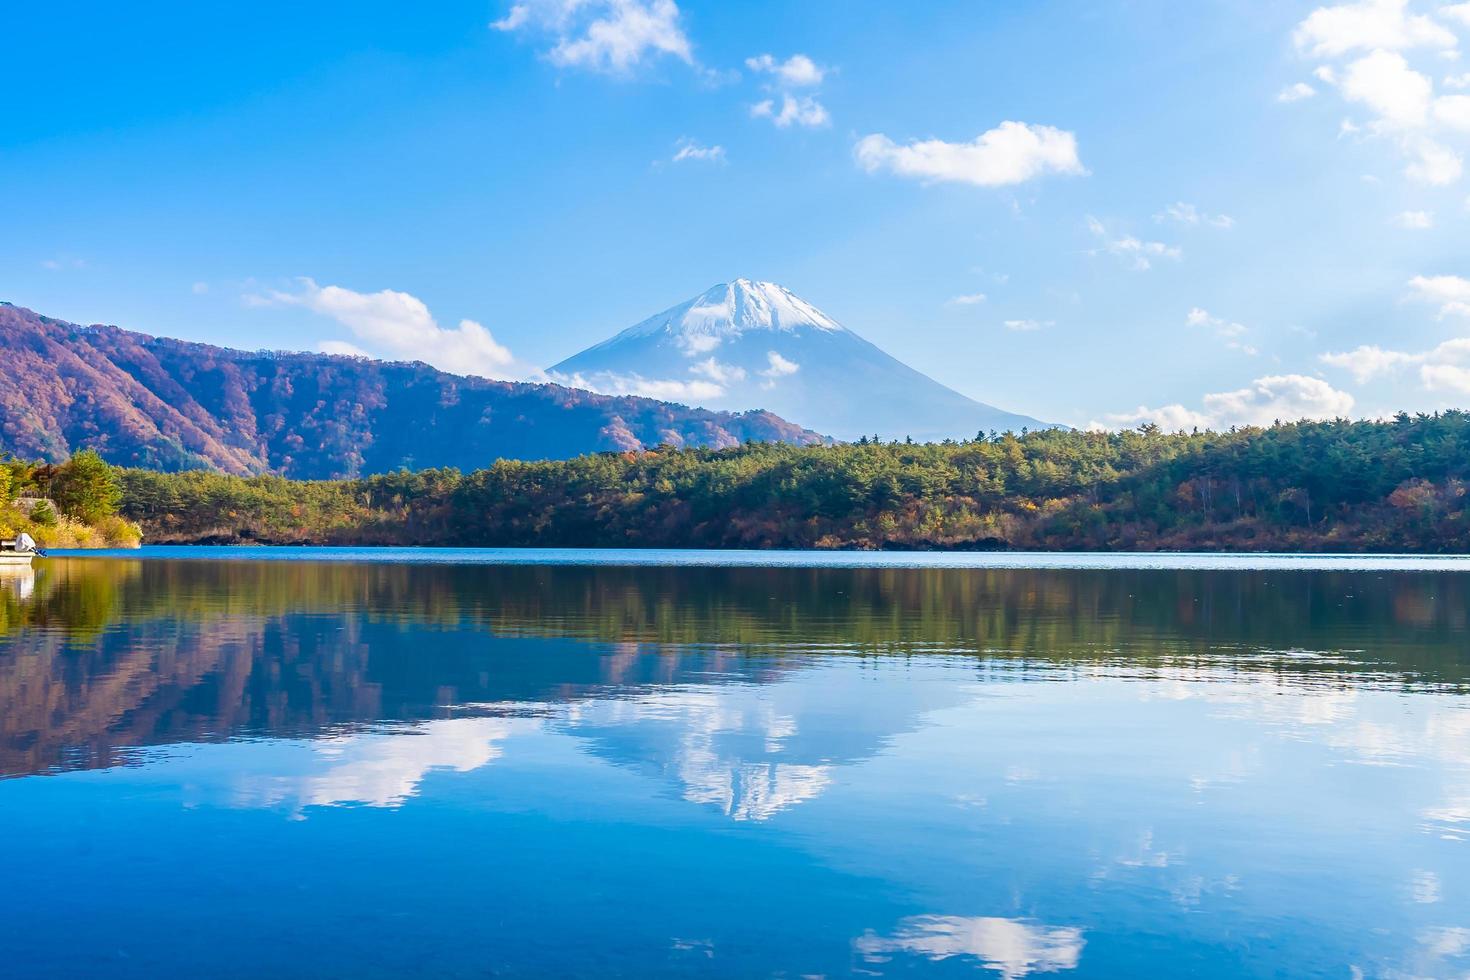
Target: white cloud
(1445, 368)
(800, 110)
(797, 71)
(1367, 25)
(1028, 326)
(1400, 100)
(1453, 111)
(1011, 947)
(1187, 214)
(400, 325)
(1367, 362)
(1450, 293)
(1414, 220)
(1170, 418)
(719, 373)
(1383, 81)
(1198, 317)
(1456, 11)
(688, 149)
(786, 108)
(1454, 378)
(968, 299)
(341, 347)
(1295, 93)
(664, 389)
(1287, 397)
(1226, 330)
(1432, 163)
(199, 288)
(1011, 153)
(612, 36)
(1136, 252)
(779, 367)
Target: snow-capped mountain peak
(732, 309)
(747, 344)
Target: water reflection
(1011, 947)
(106, 656)
(761, 771)
(379, 769)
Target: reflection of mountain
(752, 750)
(105, 656)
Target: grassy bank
(1396, 485)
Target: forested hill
(171, 405)
(1311, 486)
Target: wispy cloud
(787, 104)
(693, 150)
(792, 110)
(1184, 213)
(687, 390)
(1227, 330)
(1135, 252)
(609, 36)
(797, 71)
(1295, 93)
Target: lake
(373, 764)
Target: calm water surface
(322, 768)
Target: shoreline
(773, 558)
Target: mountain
(749, 344)
(169, 404)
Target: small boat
(18, 550)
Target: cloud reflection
(1011, 947)
(378, 768)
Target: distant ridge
(747, 344)
(171, 404)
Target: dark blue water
(320, 769)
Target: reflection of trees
(121, 653)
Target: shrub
(43, 514)
(116, 532)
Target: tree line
(1392, 485)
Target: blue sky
(1213, 212)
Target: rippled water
(307, 768)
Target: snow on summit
(732, 308)
(747, 344)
